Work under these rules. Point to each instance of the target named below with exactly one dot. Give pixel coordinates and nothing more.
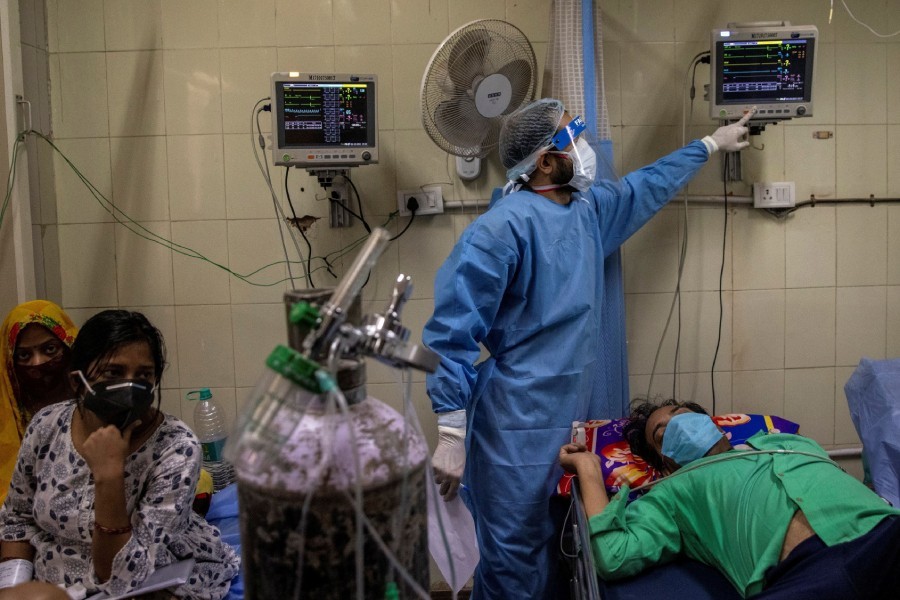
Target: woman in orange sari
(35, 342)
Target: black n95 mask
(119, 402)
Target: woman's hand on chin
(106, 449)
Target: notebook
(164, 577)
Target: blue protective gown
(525, 280)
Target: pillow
(620, 466)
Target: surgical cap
(526, 133)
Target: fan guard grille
(482, 72)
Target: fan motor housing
(492, 95)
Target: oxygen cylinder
(299, 462)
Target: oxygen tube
(730, 456)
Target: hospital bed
(682, 578)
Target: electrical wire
(676, 298)
(123, 219)
(408, 223)
(683, 254)
(136, 228)
(278, 210)
(279, 214)
(712, 369)
(332, 198)
(296, 222)
(852, 16)
(358, 202)
(11, 177)
(347, 208)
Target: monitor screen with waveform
(773, 70)
(324, 119)
(770, 68)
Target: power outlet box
(429, 197)
(773, 194)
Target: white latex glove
(449, 458)
(729, 138)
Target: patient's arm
(575, 458)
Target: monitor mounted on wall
(324, 120)
(769, 66)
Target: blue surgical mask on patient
(689, 436)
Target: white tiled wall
(152, 100)
(805, 297)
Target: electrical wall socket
(773, 194)
(429, 197)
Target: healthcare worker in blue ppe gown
(525, 280)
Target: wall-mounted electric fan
(482, 72)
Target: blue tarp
(873, 393)
(223, 513)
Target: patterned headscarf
(12, 417)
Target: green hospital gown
(733, 514)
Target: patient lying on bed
(780, 520)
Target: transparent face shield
(580, 154)
(571, 135)
(568, 134)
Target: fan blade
(466, 57)
(459, 122)
(491, 136)
(520, 78)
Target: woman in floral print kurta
(105, 500)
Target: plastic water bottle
(210, 427)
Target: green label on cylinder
(212, 451)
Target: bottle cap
(201, 394)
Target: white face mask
(584, 167)
(584, 164)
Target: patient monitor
(325, 123)
(766, 65)
(324, 120)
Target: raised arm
(625, 205)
